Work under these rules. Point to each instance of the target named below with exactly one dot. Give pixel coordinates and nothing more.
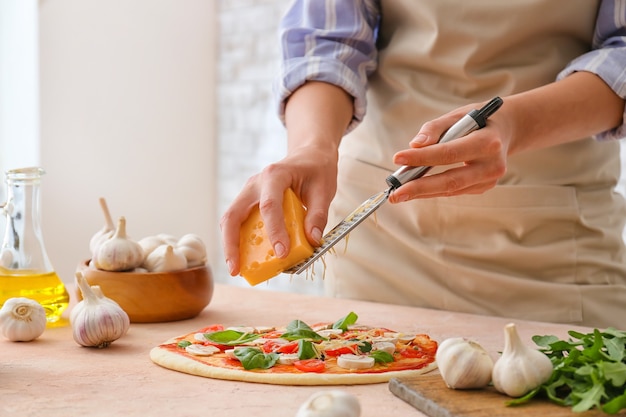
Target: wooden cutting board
(430, 395)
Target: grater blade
(342, 229)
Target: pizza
(330, 353)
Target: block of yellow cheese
(258, 262)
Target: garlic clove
(22, 319)
(331, 403)
(464, 364)
(520, 368)
(165, 258)
(97, 321)
(119, 253)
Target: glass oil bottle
(25, 270)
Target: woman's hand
(311, 173)
(576, 107)
(478, 160)
(316, 117)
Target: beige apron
(546, 243)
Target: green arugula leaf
(254, 358)
(593, 350)
(589, 371)
(614, 372)
(230, 337)
(615, 405)
(615, 342)
(586, 400)
(346, 321)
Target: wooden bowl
(152, 297)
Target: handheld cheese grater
(476, 119)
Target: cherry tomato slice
(410, 352)
(291, 347)
(341, 350)
(274, 334)
(425, 344)
(272, 345)
(310, 365)
(212, 328)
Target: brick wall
(249, 133)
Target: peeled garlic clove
(520, 368)
(463, 363)
(331, 403)
(119, 253)
(193, 248)
(22, 319)
(97, 321)
(165, 258)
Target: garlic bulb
(167, 239)
(520, 368)
(193, 248)
(332, 403)
(97, 321)
(119, 253)
(22, 319)
(464, 364)
(107, 230)
(165, 258)
(150, 243)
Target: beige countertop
(54, 376)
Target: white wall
(127, 113)
(19, 98)
(250, 134)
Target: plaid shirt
(335, 41)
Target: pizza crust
(180, 363)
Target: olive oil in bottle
(25, 270)
(45, 288)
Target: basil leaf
(306, 349)
(230, 337)
(297, 325)
(302, 334)
(364, 346)
(183, 343)
(298, 329)
(380, 356)
(254, 358)
(345, 322)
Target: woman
(519, 219)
